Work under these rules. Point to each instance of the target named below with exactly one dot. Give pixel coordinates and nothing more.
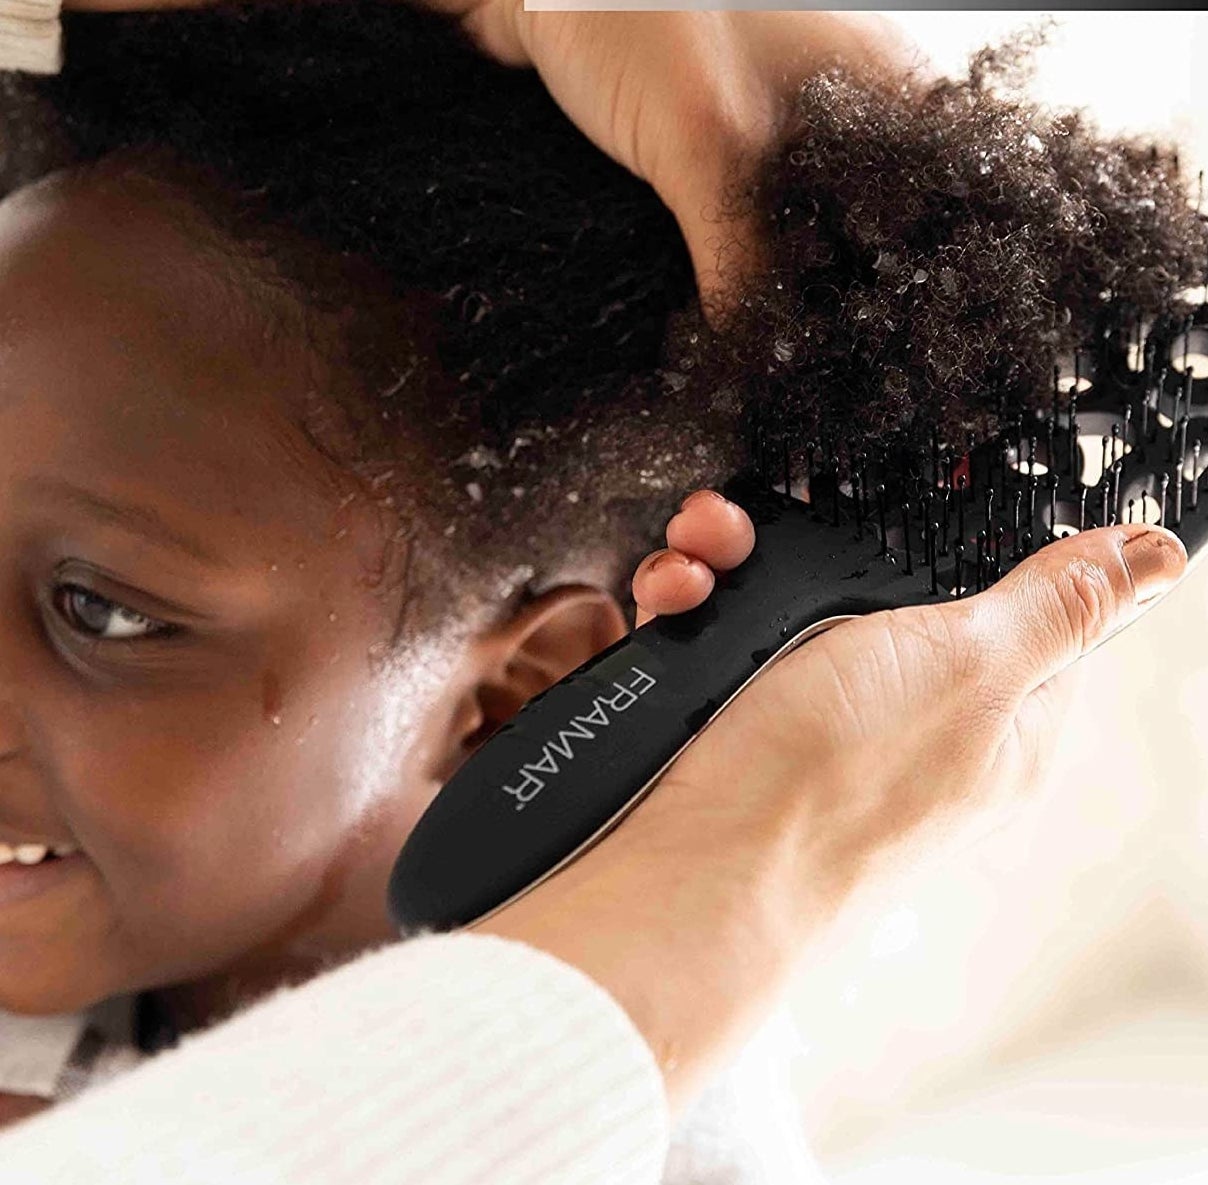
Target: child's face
(234, 788)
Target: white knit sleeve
(30, 38)
(447, 1060)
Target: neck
(203, 1002)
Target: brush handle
(576, 758)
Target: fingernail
(700, 495)
(1155, 559)
(660, 558)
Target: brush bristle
(1115, 444)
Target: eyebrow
(143, 521)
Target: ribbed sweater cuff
(445, 1059)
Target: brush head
(1119, 438)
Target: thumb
(1073, 595)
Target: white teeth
(32, 853)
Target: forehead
(127, 354)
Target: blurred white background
(1137, 71)
(1037, 1008)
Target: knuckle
(1087, 597)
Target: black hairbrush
(904, 527)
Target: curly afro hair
(935, 253)
(513, 299)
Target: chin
(48, 992)
(59, 940)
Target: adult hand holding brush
(852, 754)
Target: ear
(546, 639)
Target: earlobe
(545, 640)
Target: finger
(1071, 596)
(712, 529)
(670, 582)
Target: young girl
(344, 383)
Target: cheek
(221, 816)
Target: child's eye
(103, 619)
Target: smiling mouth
(34, 853)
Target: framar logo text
(530, 779)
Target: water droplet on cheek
(311, 721)
(270, 696)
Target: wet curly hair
(506, 294)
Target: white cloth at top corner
(30, 36)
